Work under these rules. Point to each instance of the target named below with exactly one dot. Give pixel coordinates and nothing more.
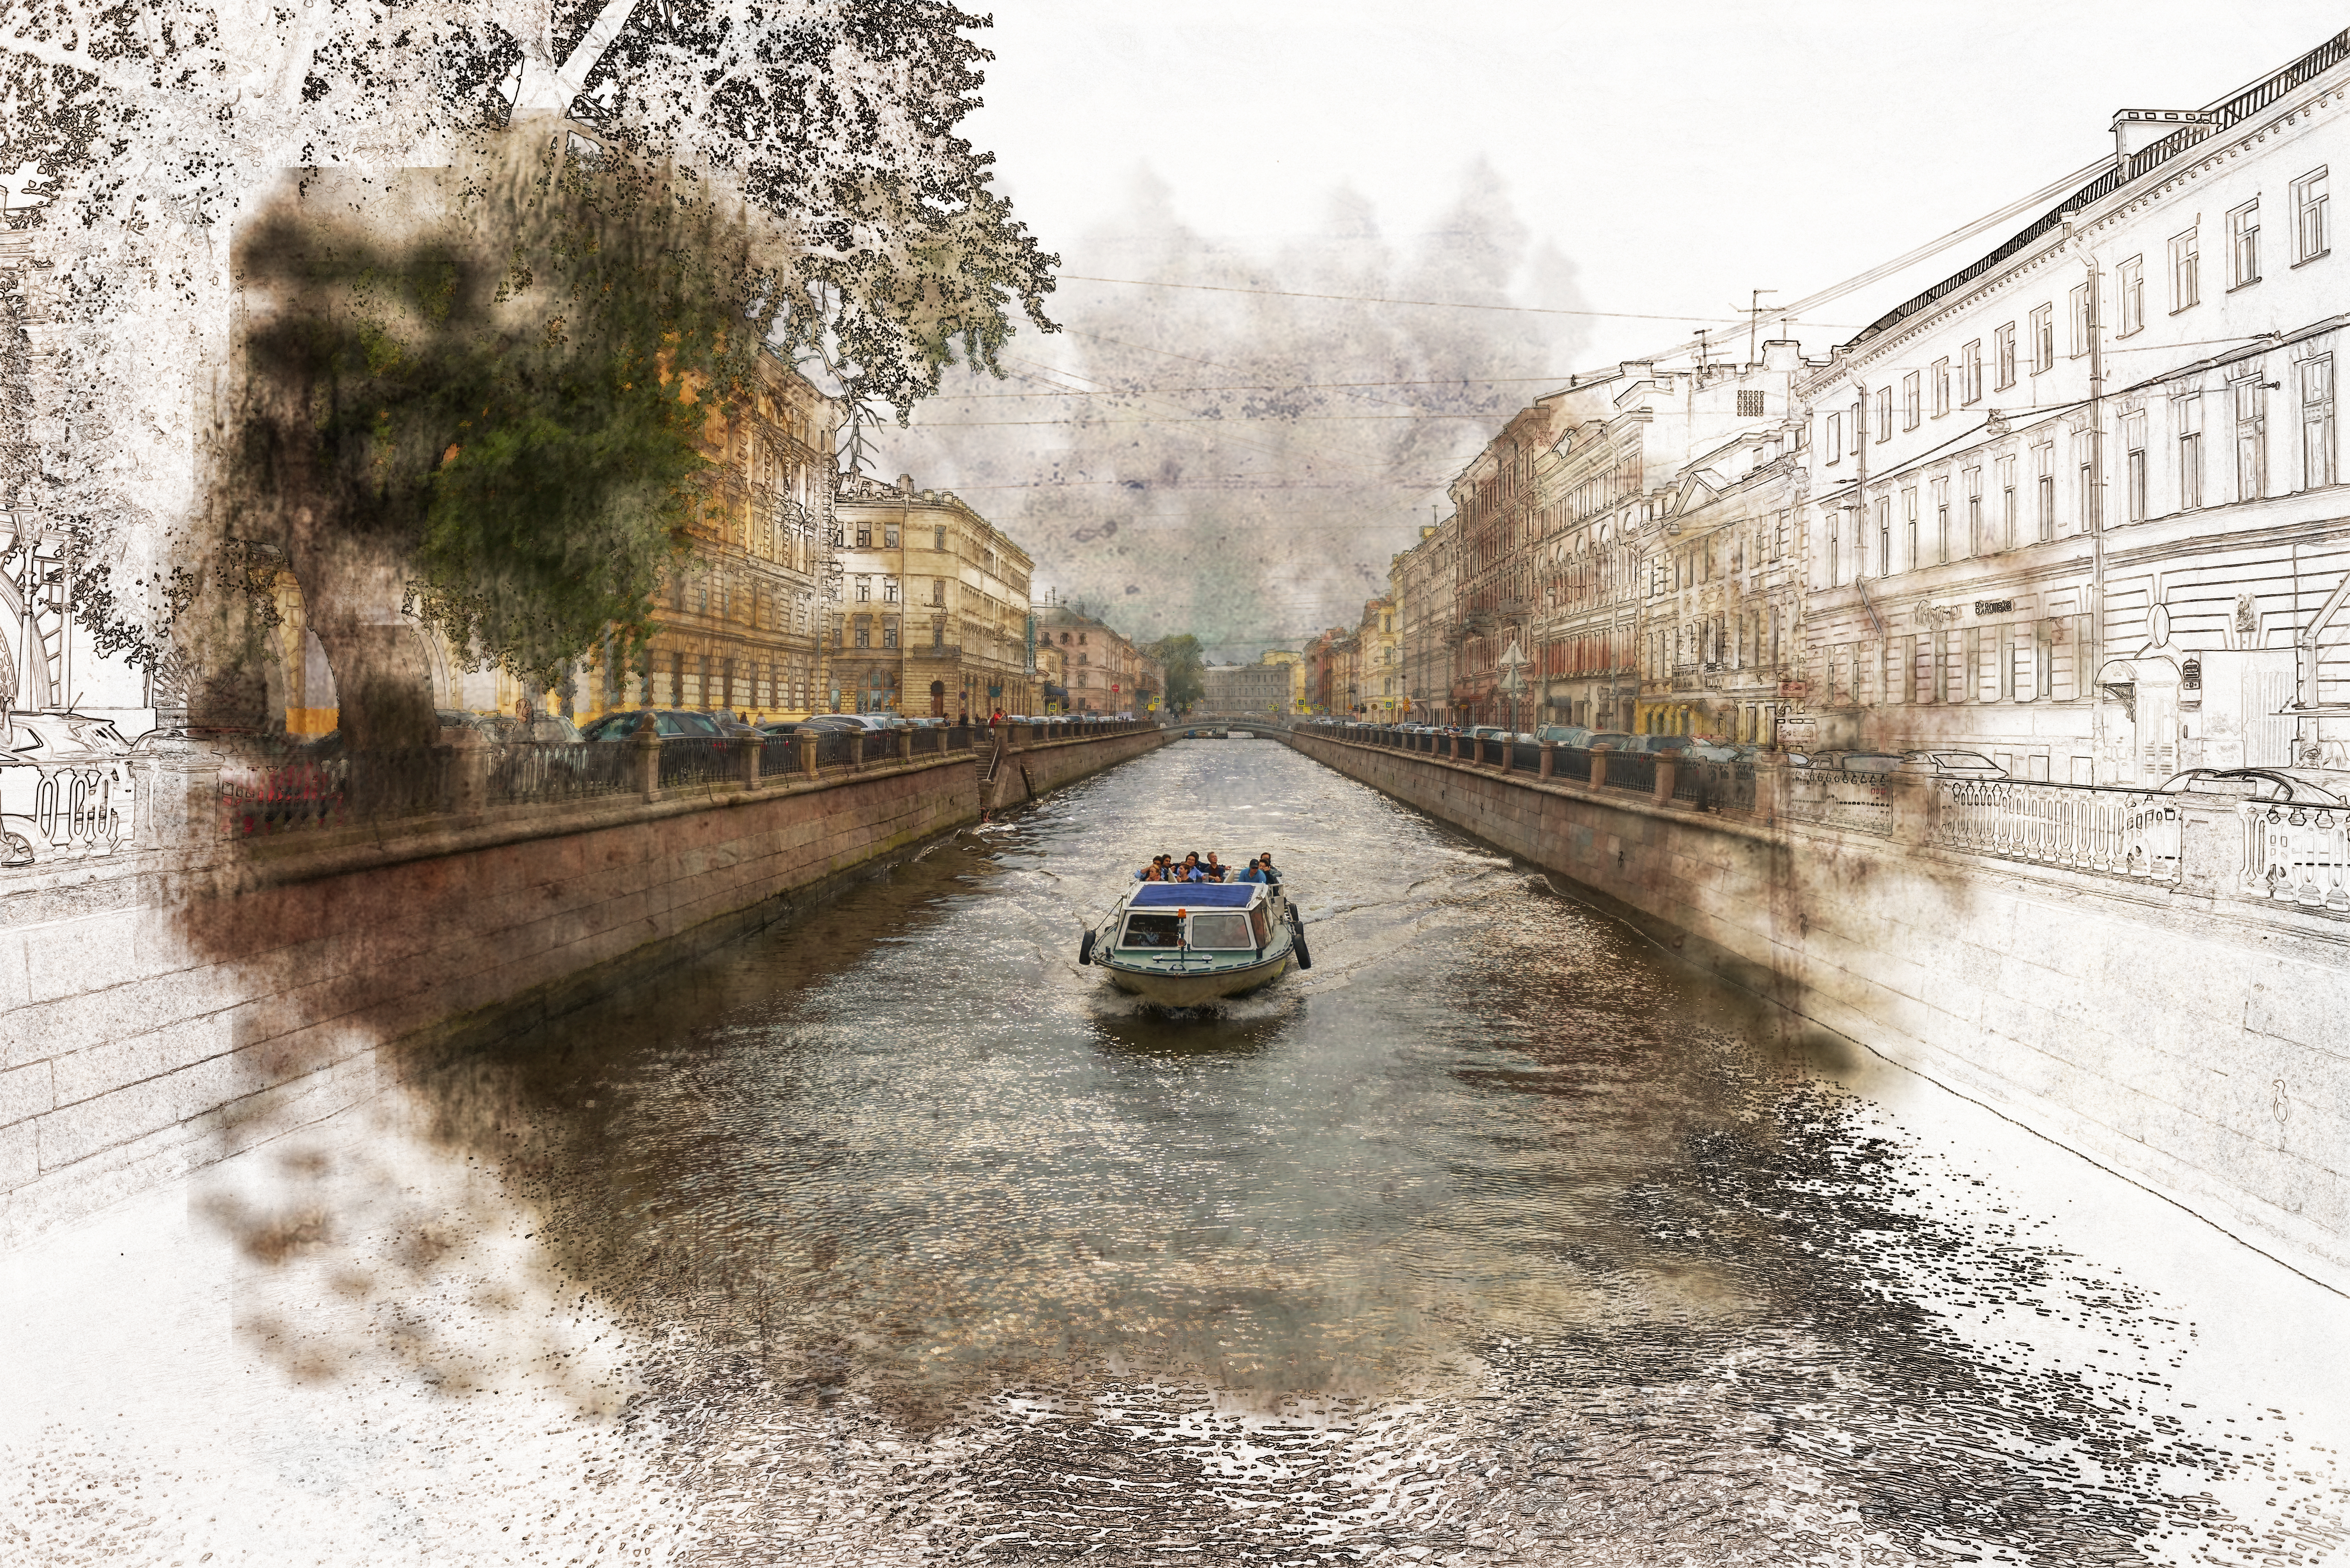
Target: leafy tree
(134, 135)
(1182, 655)
(488, 408)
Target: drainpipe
(2096, 500)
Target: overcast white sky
(1677, 155)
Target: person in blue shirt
(1190, 870)
(1255, 872)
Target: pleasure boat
(1182, 943)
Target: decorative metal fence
(2115, 832)
(82, 809)
(2297, 854)
(880, 746)
(699, 760)
(1714, 786)
(1634, 771)
(1863, 802)
(557, 770)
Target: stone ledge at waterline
(2199, 1044)
(161, 1009)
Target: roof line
(2218, 117)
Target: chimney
(1779, 355)
(905, 484)
(2135, 128)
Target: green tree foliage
(507, 394)
(1182, 655)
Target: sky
(1649, 164)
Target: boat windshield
(1220, 929)
(1152, 931)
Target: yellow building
(930, 613)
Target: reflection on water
(1492, 1237)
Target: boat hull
(1170, 988)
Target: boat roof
(1195, 895)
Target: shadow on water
(1494, 1196)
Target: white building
(2078, 506)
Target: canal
(894, 1235)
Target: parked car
(1849, 761)
(1662, 745)
(1566, 735)
(681, 722)
(2266, 784)
(1720, 751)
(1612, 740)
(1952, 765)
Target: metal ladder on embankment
(995, 761)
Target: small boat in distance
(1182, 943)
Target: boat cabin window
(1152, 931)
(1257, 923)
(1221, 929)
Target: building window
(890, 535)
(2190, 452)
(2185, 271)
(1974, 514)
(2311, 238)
(1908, 532)
(2003, 351)
(938, 590)
(1939, 374)
(890, 589)
(1910, 413)
(865, 535)
(2006, 508)
(2316, 423)
(938, 539)
(1749, 405)
(1884, 541)
(2085, 490)
(2134, 467)
(1834, 442)
(888, 634)
(2079, 301)
(2043, 459)
(2252, 442)
(1885, 412)
(2244, 245)
(1970, 373)
(2044, 340)
(864, 590)
(1941, 524)
(864, 631)
(2130, 277)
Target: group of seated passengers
(1164, 868)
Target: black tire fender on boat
(1086, 949)
(1298, 939)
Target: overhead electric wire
(1426, 304)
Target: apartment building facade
(932, 613)
(2078, 506)
(1103, 670)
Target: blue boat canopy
(1195, 895)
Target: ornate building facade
(933, 616)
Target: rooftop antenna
(1754, 313)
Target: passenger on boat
(1272, 874)
(1255, 872)
(1215, 872)
(1190, 870)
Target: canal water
(895, 1235)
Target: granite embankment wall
(2197, 1044)
(164, 1008)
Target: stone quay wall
(164, 1008)
(2197, 1044)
